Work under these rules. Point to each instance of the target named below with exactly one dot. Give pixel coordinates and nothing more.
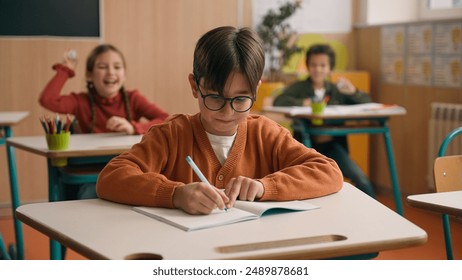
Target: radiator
(445, 117)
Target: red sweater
(149, 173)
(78, 104)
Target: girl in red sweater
(107, 106)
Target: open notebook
(242, 211)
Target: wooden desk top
(347, 223)
(80, 145)
(358, 111)
(442, 202)
(12, 118)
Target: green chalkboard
(67, 18)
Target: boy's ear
(192, 83)
(258, 85)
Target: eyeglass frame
(226, 99)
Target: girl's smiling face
(108, 74)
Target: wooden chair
(447, 172)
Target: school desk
(81, 146)
(443, 202)
(7, 120)
(347, 223)
(342, 120)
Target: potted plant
(279, 44)
(278, 38)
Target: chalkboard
(69, 18)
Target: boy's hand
(120, 124)
(243, 188)
(199, 198)
(345, 86)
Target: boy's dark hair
(91, 59)
(321, 49)
(227, 49)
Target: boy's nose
(227, 108)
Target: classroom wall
(409, 132)
(381, 12)
(157, 39)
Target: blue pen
(199, 173)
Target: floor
(36, 244)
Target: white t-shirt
(319, 93)
(221, 145)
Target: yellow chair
(265, 91)
(447, 173)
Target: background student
(246, 157)
(107, 106)
(320, 61)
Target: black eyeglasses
(216, 102)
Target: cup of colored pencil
(317, 108)
(57, 133)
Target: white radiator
(445, 117)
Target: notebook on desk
(242, 211)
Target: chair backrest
(447, 170)
(360, 79)
(448, 173)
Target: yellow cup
(56, 142)
(317, 108)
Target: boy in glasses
(243, 156)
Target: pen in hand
(199, 173)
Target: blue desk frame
(302, 124)
(15, 201)
(99, 148)
(13, 192)
(445, 217)
(56, 176)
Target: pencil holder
(56, 142)
(317, 108)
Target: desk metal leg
(53, 195)
(447, 236)
(14, 196)
(300, 126)
(393, 173)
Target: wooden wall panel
(159, 42)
